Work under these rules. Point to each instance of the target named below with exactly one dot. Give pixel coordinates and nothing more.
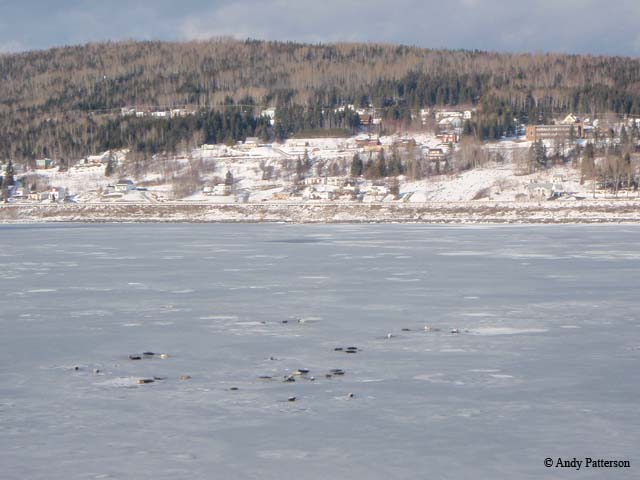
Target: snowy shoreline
(588, 212)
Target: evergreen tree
(624, 137)
(9, 174)
(380, 168)
(395, 167)
(368, 168)
(7, 181)
(110, 169)
(228, 179)
(587, 166)
(538, 155)
(394, 188)
(356, 166)
(299, 170)
(306, 161)
(634, 131)
(467, 127)
(414, 169)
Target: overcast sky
(574, 26)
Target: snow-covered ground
(267, 172)
(499, 180)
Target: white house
(56, 194)
(98, 159)
(252, 142)
(545, 190)
(270, 113)
(570, 119)
(448, 114)
(219, 189)
(314, 181)
(335, 181)
(179, 112)
(125, 185)
(39, 196)
(448, 123)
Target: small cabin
(125, 185)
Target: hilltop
(66, 103)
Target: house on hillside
(437, 158)
(367, 142)
(450, 123)
(270, 113)
(405, 143)
(335, 181)
(99, 159)
(374, 193)
(44, 163)
(545, 190)
(16, 191)
(342, 108)
(38, 196)
(221, 189)
(570, 119)
(436, 155)
(179, 112)
(365, 120)
(552, 132)
(125, 185)
(281, 196)
(314, 181)
(569, 126)
(323, 195)
(252, 142)
(57, 194)
(440, 114)
(448, 137)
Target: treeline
(61, 102)
(155, 135)
(292, 118)
(64, 138)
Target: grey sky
(574, 26)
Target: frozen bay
(544, 362)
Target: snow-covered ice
(491, 365)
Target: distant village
(322, 169)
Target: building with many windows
(551, 132)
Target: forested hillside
(65, 102)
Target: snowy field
(481, 351)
